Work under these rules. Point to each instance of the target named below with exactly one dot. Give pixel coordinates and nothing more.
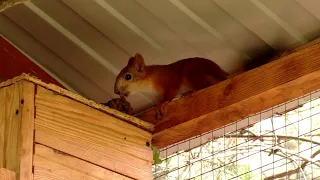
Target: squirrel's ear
(130, 62)
(137, 62)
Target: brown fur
(168, 80)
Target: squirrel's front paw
(160, 110)
(159, 114)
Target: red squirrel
(178, 78)
(169, 81)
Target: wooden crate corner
(49, 133)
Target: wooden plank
(16, 128)
(11, 128)
(27, 93)
(53, 164)
(58, 102)
(2, 125)
(91, 135)
(92, 152)
(251, 92)
(76, 97)
(6, 174)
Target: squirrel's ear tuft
(137, 62)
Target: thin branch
(272, 136)
(308, 135)
(304, 164)
(312, 156)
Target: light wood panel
(6, 174)
(26, 134)
(2, 127)
(10, 127)
(91, 135)
(53, 164)
(251, 92)
(76, 97)
(16, 128)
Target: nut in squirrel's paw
(120, 104)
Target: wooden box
(49, 133)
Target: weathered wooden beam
(17, 128)
(274, 83)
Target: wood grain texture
(11, 126)
(16, 128)
(91, 135)
(2, 126)
(76, 97)
(251, 92)
(53, 164)
(27, 93)
(6, 174)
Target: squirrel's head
(130, 77)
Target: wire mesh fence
(282, 142)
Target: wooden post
(16, 129)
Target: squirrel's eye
(128, 76)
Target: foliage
(156, 155)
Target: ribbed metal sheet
(85, 43)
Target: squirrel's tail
(260, 59)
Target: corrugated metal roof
(85, 43)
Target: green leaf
(156, 155)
